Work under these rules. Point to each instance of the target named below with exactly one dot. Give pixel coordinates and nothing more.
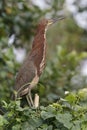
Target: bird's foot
(32, 104)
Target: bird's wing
(25, 76)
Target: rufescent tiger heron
(34, 64)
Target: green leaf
(84, 126)
(76, 125)
(49, 113)
(35, 122)
(65, 119)
(3, 121)
(43, 127)
(16, 127)
(50, 127)
(71, 98)
(45, 115)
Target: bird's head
(45, 23)
(54, 20)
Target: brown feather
(34, 62)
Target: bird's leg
(29, 99)
(29, 103)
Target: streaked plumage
(34, 63)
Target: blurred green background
(66, 51)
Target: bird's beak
(52, 21)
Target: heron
(34, 63)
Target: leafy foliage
(66, 114)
